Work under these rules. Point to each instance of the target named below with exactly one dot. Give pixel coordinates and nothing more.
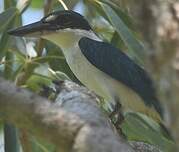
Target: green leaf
(138, 127)
(58, 64)
(37, 4)
(41, 145)
(9, 3)
(123, 15)
(136, 49)
(11, 142)
(6, 17)
(48, 58)
(18, 45)
(96, 6)
(58, 75)
(17, 72)
(8, 71)
(117, 41)
(36, 81)
(4, 41)
(22, 5)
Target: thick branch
(73, 123)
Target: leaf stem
(63, 4)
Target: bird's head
(58, 27)
(53, 22)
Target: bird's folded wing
(119, 66)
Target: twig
(63, 4)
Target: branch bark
(73, 123)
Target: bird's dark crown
(66, 19)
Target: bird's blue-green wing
(119, 66)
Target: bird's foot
(51, 91)
(116, 114)
(46, 91)
(117, 117)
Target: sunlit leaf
(31, 52)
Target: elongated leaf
(36, 81)
(22, 5)
(4, 41)
(123, 15)
(18, 44)
(9, 3)
(6, 17)
(17, 71)
(48, 58)
(117, 41)
(136, 49)
(41, 146)
(138, 127)
(58, 64)
(96, 6)
(58, 75)
(11, 138)
(8, 71)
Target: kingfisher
(99, 65)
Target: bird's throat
(69, 38)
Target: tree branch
(74, 122)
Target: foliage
(34, 64)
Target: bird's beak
(32, 30)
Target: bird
(99, 65)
